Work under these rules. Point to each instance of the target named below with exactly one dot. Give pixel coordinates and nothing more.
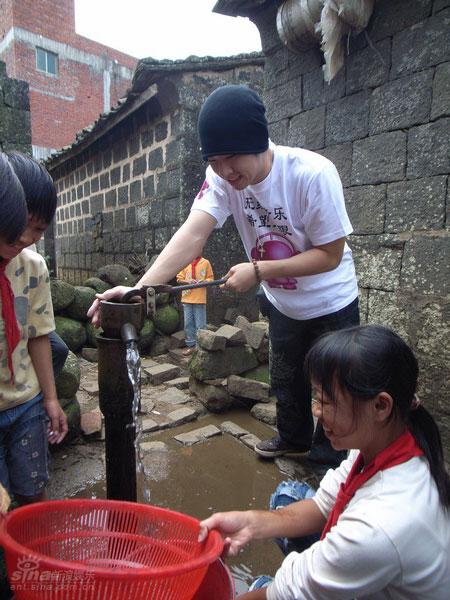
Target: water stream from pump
(133, 361)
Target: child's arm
(209, 272)
(41, 357)
(255, 595)
(5, 500)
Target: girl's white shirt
(391, 542)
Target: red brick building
(72, 79)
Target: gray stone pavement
(166, 409)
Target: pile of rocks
(230, 367)
(70, 305)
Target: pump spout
(128, 333)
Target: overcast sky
(165, 28)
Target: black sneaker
(324, 454)
(276, 447)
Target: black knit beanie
(232, 121)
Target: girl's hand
(240, 278)
(234, 527)
(57, 427)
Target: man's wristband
(257, 271)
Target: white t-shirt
(299, 205)
(391, 542)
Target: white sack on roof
(301, 23)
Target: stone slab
(198, 435)
(91, 424)
(149, 425)
(429, 149)
(347, 119)
(416, 204)
(441, 92)
(211, 340)
(379, 158)
(176, 354)
(250, 440)
(423, 45)
(307, 130)
(341, 156)
(364, 69)
(266, 413)
(181, 383)
(378, 261)
(160, 373)
(177, 340)
(366, 208)
(153, 447)
(401, 103)
(233, 335)
(248, 388)
(181, 415)
(173, 396)
(231, 361)
(147, 363)
(233, 429)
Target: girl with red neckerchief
(383, 515)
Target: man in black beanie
(288, 206)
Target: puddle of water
(216, 475)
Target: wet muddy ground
(218, 473)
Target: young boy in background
(194, 301)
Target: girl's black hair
(40, 192)
(367, 360)
(13, 209)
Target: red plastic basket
(104, 550)
(217, 584)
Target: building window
(46, 61)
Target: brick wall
(384, 121)
(122, 198)
(52, 19)
(91, 77)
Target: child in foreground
(384, 513)
(30, 414)
(40, 197)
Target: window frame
(43, 52)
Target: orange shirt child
(199, 270)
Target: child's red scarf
(400, 451)
(194, 264)
(12, 331)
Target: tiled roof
(148, 72)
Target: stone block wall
(122, 197)
(15, 123)
(384, 121)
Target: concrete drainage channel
(195, 462)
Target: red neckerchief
(194, 263)
(12, 331)
(403, 449)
